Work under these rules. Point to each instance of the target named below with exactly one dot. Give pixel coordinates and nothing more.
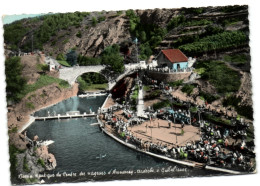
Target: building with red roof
(173, 58)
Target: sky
(11, 18)
(32, 7)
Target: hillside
(91, 32)
(217, 36)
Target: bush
(61, 57)
(208, 97)
(43, 67)
(161, 104)
(238, 59)
(217, 120)
(79, 35)
(101, 18)
(176, 83)
(41, 162)
(29, 105)
(26, 166)
(64, 63)
(220, 76)
(187, 89)
(13, 151)
(94, 21)
(153, 94)
(64, 84)
(243, 110)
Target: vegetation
(154, 94)
(92, 81)
(246, 111)
(237, 59)
(41, 162)
(85, 60)
(43, 81)
(146, 88)
(94, 21)
(112, 58)
(49, 26)
(216, 119)
(228, 9)
(176, 83)
(13, 130)
(150, 35)
(134, 96)
(79, 35)
(215, 42)
(26, 167)
(13, 33)
(181, 21)
(194, 109)
(15, 83)
(13, 151)
(101, 18)
(42, 67)
(220, 76)
(29, 105)
(187, 89)
(161, 104)
(208, 97)
(64, 63)
(71, 57)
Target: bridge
(72, 73)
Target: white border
(10, 7)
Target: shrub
(29, 105)
(244, 110)
(187, 88)
(153, 94)
(176, 83)
(79, 35)
(101, 18)
(94, 21)
(208, 97)
(42, 67)
(60, 56)
(41, 162)
(238, 59)
(26, 167)
(161, 104)
(64, 84)
(220, 76)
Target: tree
(15, 83)
(72, 57)
(111, 57)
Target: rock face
(157, 16)
(48, 158)
(43, 97)
(95, 38)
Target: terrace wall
(169, 77)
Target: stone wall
(169, 77)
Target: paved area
(149, 131)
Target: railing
(170, 71)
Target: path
(140, 105)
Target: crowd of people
(219, 145)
